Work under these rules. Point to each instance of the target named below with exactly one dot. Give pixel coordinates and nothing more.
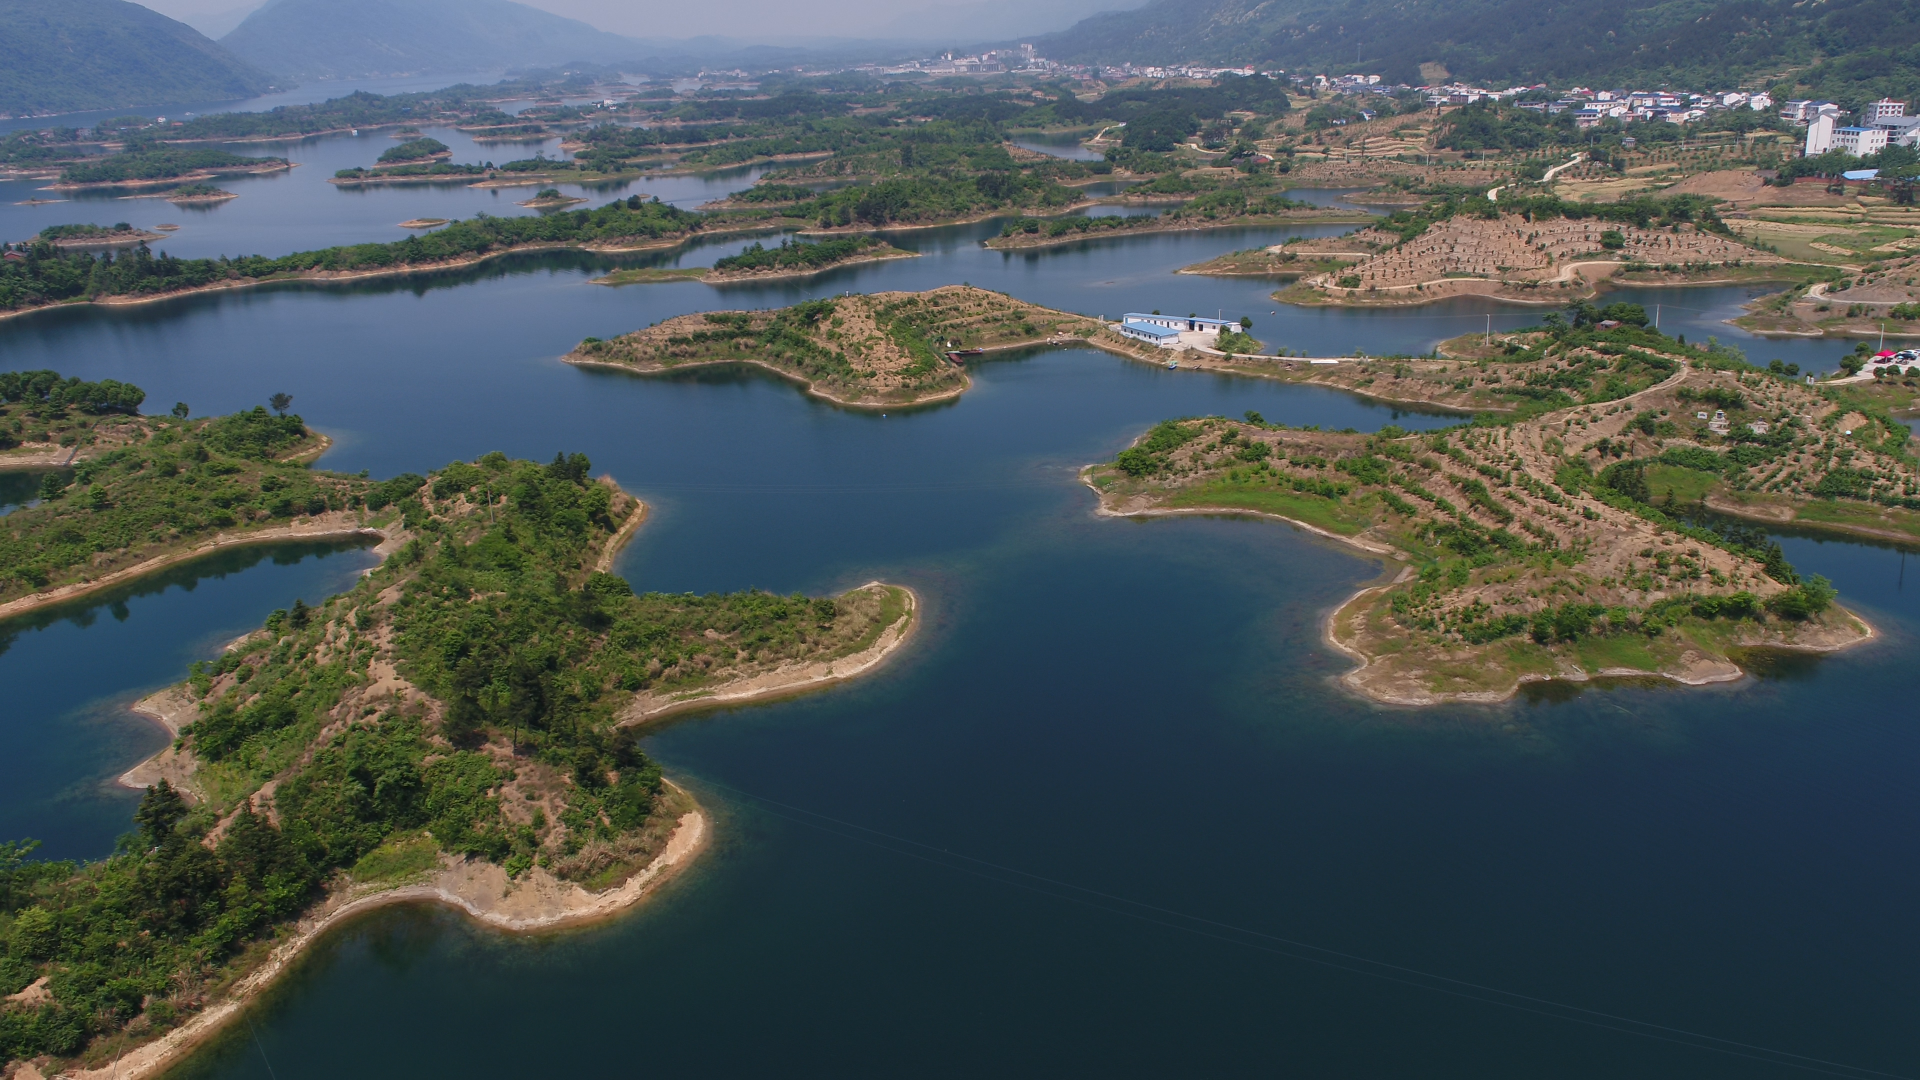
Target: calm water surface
(1144, 709)
(298, 210)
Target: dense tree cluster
(46, 389)
(183, 481)
(153, 161)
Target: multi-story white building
(1884, 109)
(1860, 141)
(1823, 118)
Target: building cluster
(993, 62)
(1881, 124)
(1591, 107)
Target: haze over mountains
(330, 39)
(1515, 41)
(68, 55)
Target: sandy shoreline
(790, 679)
(481, 891)
(536, 902)
(328, 277)
(1700, 670)
(196, 177)
(708, 276)
(319, 530)
(805, 384)
(618, 540)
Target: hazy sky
(963, 21)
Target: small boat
(1171, 364)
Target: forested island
(1209, 203)
(1592, 531)
(789, 259)
(151, 164)
(875, 350)
(47, 275)
(455, 728)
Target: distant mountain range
(333, 39)
(1865, 44)
(72, 55)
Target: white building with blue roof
(1165, 330)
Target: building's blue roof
(1860, 174)
(1150, 329)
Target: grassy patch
(1342, 517)
(1616, 651)
(1851, 514)
(399, 859)
(1681, 485)
(892, 606)
(652, 275)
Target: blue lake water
(1141, 709)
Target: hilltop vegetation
(460, 705)
(158, 486)
(1849, 49)
(149, 161)
(70, 55)
(1571, 539)
(877, 349)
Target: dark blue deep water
(1092, 820)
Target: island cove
(490, 672)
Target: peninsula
(1593, 535)
(454, 729)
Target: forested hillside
(69, 55)
(316, 39)
(1521, 42)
